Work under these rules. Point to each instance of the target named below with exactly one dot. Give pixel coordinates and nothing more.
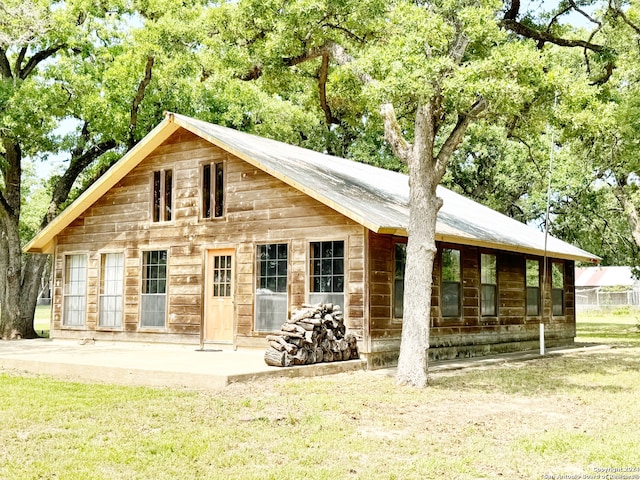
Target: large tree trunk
(425, 173)
(20, 286)
(421, 252)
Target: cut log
(291, 334)
(313, 333)
(298, 342)
(312, 321)
(305, 325)
(310, 337)
(300, 358)
(290, 348)
(275, 358)
(278, 346)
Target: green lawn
(620, 327)
(568, 415)
(41, 320)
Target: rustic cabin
(204, 234)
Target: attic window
(162, 195)
(213, 190)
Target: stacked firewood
(313, 334)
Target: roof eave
(586, 257)
(43, 242)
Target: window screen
(111, 284)
(75, 289)
(327, 272)
(488, 279)
(271, 286)
(533, 287)
(154, 289)
(450, 282)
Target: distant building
(606, 288)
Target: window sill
(212, 220)
(170, 223)
(152, 330)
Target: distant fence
(600, 299)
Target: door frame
(207, 249)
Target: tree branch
(393, 134)
(322, 90)
(456, 135)
(137, 100)
(510, 23)
(513, 11)
(37, 58)
(12, 172)
(618, 11)
(5, 67)
(426, 127)
(583, 13)
(459, 47)
(20, 59)
(79, 161)
(546, 37)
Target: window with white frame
(111, 285)
(75, 290)
(154, 289)
(271, 286)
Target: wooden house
(205, 234)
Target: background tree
(99, 65)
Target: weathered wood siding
(259, 209)
(471, 333)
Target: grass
(42, 319)
(568, 415)
(621, 327)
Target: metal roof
(374, 197)
(605, 277)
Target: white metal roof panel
(604, 277)
(379, 198)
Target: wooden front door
(219, 311)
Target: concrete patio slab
(151, 364)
